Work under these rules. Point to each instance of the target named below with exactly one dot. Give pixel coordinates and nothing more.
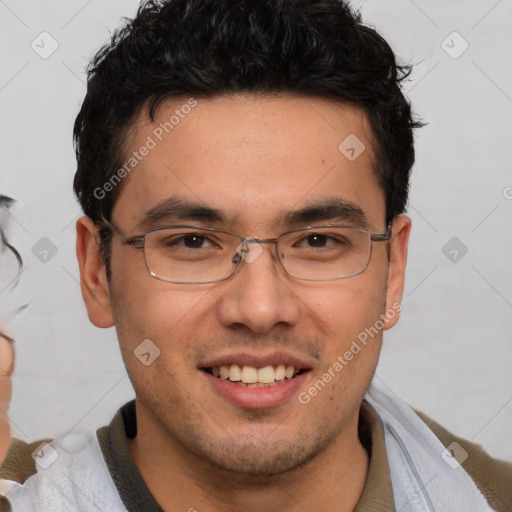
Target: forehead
(253, 158)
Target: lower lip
(254, 397)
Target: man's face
(252, 159)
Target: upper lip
(259, 360)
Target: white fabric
(425, 478)
(77, 480)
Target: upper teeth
(251, 375)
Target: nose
(259, 295)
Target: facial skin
(6, 369)
(253, 158)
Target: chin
(270, 455)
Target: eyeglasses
(186, 254)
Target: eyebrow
(332, 209)
(174, 208)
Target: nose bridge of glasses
(250, 248)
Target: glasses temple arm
(136, 241)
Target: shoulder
(493, 477)
(20, 462)
(44, 475)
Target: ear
(93, 276)
(396, 269)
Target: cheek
(348, 315)
(147, 308)
(344, 308)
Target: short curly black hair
(207, 48)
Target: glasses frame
(139, 242)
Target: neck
(179, 480)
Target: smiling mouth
(250, 376)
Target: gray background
(450, 354)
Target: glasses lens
(325, 253)
(190, 255)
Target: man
(243, 168)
